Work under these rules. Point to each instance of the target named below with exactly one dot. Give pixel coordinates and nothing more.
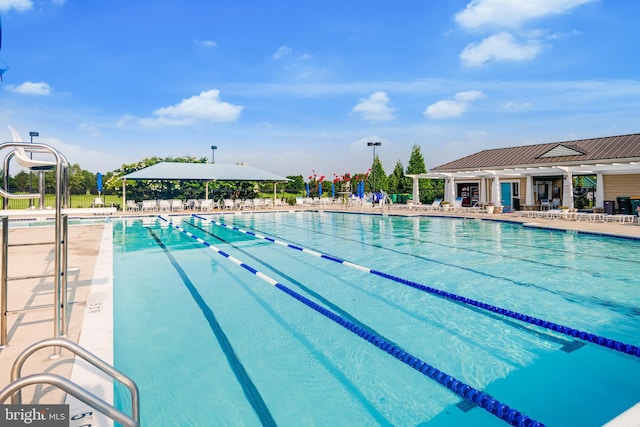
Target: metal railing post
(4, 279)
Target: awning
(174, 171)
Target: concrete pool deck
(90, 279)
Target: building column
(567, 190)
(450, 190)
(495, 192)
(529, 199)
(416, 190)
(599, 190)
(483, 191)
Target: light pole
(373, 169)
(31, 135)
(213, 151)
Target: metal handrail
(87, 356)
(72, 389)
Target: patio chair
(456, 206)
(176, 205)
(206, 205)
(132, 205)
(97, 202)
(227, 204)
(149, 205)
(435, 206)
(164, 205)
(545, 204)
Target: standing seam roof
(607, 148)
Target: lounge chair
(435, 206)
(132, 205)
(206, 205)
(176, 205)
(97, 202)
(456, 206)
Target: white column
(451, 190)
(567, 190)
(416, 190)
(483, 191)
(495, 192)
(529, 199)
(599, 190)
(124, 195)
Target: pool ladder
(22, 152)
(18, 382)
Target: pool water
(210, 343)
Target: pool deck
(90, 279)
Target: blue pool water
(210, 343)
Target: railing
(99, 404)
(18, 150)
(72, 389)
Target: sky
(300, 87)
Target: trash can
(608, 206)
(624, 205)
(515, 204)
(394, 198)
(635, 204)
(402, 198)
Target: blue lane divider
(575, 333)
(480, 398)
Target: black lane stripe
(248, 387)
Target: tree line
(85, 182)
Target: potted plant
(490, 207)
(445, 205)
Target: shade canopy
(203, 172)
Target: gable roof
(174, 171)
(584, 151)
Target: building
(553, 174)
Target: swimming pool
(312, 341)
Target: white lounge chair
(206, 205)
(435, 206)
(132, 205)
(456, 206)
(176, 205)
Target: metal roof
(584, 151)
(174, 171)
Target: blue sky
(296, 86)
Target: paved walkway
(31, 300)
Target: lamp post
(213, 151)
(31, 135)
(373, 169)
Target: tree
(296, 185)
(429, 189)
(397, 182)
(378, 174)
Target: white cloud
(511, 13)
(30, 88)
(205, 43)
(455, 107)
(515, 106)
(19, 5)
(375, 108)
(282, 51)
(203, 107)
(499, 47)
